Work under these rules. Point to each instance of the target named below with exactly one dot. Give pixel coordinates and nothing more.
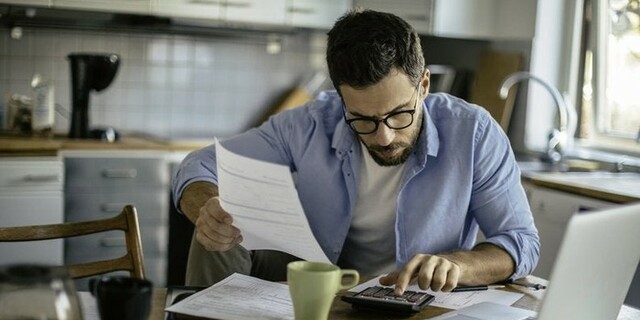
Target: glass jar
(37, 292)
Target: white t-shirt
(370, 246)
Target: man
(393, 180)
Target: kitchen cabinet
(200, 9)
(316, 14)
(255, 11)
(552, 210)
(40, 3)
(99, 184)
(271, 12)
(31, 193)
(418, 13)
(487, 19)
(121, 6)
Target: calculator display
(384, 298)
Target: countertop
(607, 186)
(612, 187)
(20, 145)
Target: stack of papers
(239, 297)
(488, 311)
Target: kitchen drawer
(116, 172)
(31, 175)
(151, 205)
(112, 245)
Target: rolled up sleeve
(499, 202)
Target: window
(610, 104)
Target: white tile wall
(168, 85)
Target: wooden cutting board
(492, 68)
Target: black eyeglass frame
(384, 120)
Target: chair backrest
(126, 221)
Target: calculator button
(415, 297)
(370, 291)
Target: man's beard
(392, 161)
(402, 157)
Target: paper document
(238, 297)
(265, 206)
(455, 300)
(488, 311)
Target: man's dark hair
(364, 45)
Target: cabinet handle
(42, 178)
(112, 207)
(207, 2)
(112, 242)
(238, 4)
(302, 10)
(120, 173)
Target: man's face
(390, 97)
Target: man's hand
(214, 227)
(430, 271)
(484, 264)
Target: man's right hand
(214, 227)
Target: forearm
(195, 195)
(485, 264)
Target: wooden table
(343, 310)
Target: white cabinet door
(123, 6)
(201, 9)
(255, 11)
(486, 19)
(316, 14)
(31, 193)
(43, 3)
(551, 212)
(23, 209)
(418, 13)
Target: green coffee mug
(313, 286)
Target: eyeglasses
(396, 120)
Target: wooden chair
(126, 221)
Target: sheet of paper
(488, 311)
(265, 206)
(455, 300)
(239, 297)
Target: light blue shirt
(461, 175)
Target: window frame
(601, 137)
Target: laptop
(592, 272)
(595, 265)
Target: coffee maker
(88, 72)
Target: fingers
(389, 279)
(214, 229)
(434, 272)
(407, 274)
(438, 273)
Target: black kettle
(88, 72)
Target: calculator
(384, 299)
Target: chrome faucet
(560, 140)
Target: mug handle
(355, 278)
